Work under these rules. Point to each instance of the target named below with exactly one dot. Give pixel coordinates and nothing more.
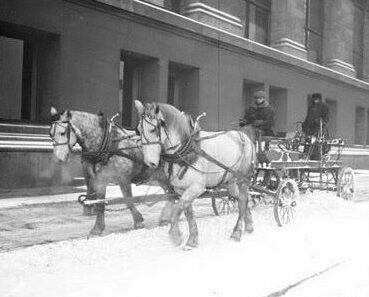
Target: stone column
(366, 47)
(218, 14)
(288, 27)
(338, 36)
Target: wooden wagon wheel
(285, 203)
(224, 205)
(346, 184)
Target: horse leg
(100, 189)
(249, 228)
(242, 211)
(193, 240)
(167, 211)
(174, 231)
(136, 215)
(188, 196)
(88, 210)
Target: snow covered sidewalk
(323, 253)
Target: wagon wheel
(224, 205)
(285, 202)
(346, 184)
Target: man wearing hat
(260, 114)
(317, 111)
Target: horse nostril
(152, 165)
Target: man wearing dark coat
(260, 114)
(317, 111)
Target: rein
(189, 152)
(105, 151)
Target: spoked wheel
(224, 205)
(346, 184)
(285, 202)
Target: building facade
(205, 55)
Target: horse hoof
(249, 229)
(190, 245)
(176, 239)
(95, 232)
(236, 235)
(139, 225)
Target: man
(260, 114)
(317, 111)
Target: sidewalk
(22, 197)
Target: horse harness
(105, 150)
(189, 151)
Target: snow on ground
(325, 252)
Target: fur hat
(259, 94)
(316, 96)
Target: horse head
(63, 133)
(162, 128)
(71, 127)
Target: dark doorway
(138, 81)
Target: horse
(196, 160)
(109, 154)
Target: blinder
(68, 129)
(156, 128)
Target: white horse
(195, 160)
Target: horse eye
(63, 133)
(152, 130)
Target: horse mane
(176, 119)
(86, 120)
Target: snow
(324, 252)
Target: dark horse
(109, 154)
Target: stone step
(24, 128)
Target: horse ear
(139, 107)
(157, 109)
(53, 111)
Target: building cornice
(206, 9)
(146, 13)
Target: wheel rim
(286, 202)
(347, 185)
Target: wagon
(288, 167)
(292, 165)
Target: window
(183, 87)
(332, 123)
(358, 37)
(314, 30)
(257, 25)
(248, 91)
(173, 5)
(359, 125)
(367, 127)
(278, 99)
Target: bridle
(145, 118)
(68, 129)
